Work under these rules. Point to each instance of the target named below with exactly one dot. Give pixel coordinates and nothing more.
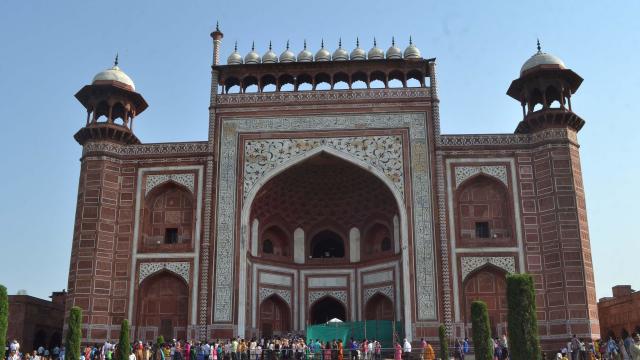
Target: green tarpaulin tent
(381, 330)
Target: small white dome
(394, 52)
(340, 54)
(235, 58)
(114, 74)
(323, 54)
(305, 55)
(375, 52)
(358, 53)
(541, 58)
(269, 57)
(252, 57)
(412, 52)
(287, 56)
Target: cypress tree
(159, 340)
(74, 334)
(124, 348)
(481, 330)
(524, 343)
(444, 342)
(4, 316)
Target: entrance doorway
(379, 307)
(274, 317)
(326, 309)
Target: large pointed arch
(270, 174)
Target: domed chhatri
(235, 58)
(252, 57)
(323, 54)
(269, 57)
(358, 53)
(412, 52)
(305, 55)
(375, 53)
(287, 56)
(541, 58)
(114, 74)
(394, 52)
(340, 54)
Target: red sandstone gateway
(307, 204)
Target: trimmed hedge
(524, 343)
(481, 329)
(444, 342)
(124, 348)
(4, 315)
(74, 334)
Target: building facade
(36, 322)
(620, 314)
(326, 189)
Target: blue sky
(50, 49)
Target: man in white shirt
(14, 346)
(406, 349)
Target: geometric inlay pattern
(187, 180)
(381, 152)
(283, 293)
(226, 214)
(179, 268)
(497, 171)
(340, 295)
(469, 264)
(384, 290)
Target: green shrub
(4, 315)
(444, 342)
(481, 330)
(74, 334)
(524, 343)
(124, 348)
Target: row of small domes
(287, 56)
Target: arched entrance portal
(379, 307)
(325, 204)
(275, 318)
(326, 309)
(489, 285)
(164, 304)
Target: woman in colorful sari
(397, 354)
(340, 350)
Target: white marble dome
(412, 52)
(375, 52)
(394, 52)
(323, 54)
(252, 57)
(287, 55)
(235, 58)
(269, 57)
(358, 53)
(541, 58)
(114, 74)
(340, 54)
(305, 55)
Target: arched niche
(484, 212)
(168, 218)
(325, 309)
(275, 317)
(377, 241)
(379, 307)
(487, 284)
(327, 244)
(163, 304)
(275, 242)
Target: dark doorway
(40, 339)
(326, 309)
(327, 244)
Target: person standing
(634, 348)
(406, 349)
(397, 355)
(575, 347)
(429, 354)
